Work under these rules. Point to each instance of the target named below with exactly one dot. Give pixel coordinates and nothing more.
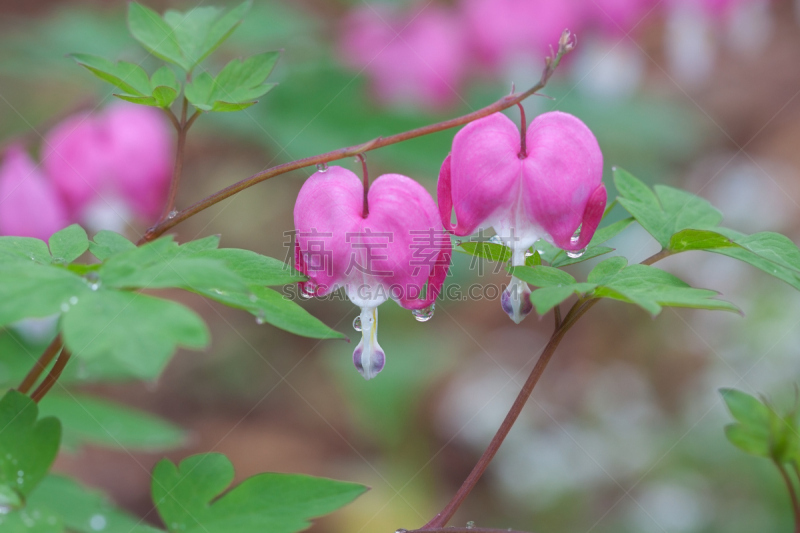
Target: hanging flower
(111, 166)
(29, 205)
(378, 242)
(549, 188)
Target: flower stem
(463, 530)
(523, 132)
(41, 364)
(365, 210)
(575, 313)
(52, 377)
(565, 45)
(182, 126)
(792, 495)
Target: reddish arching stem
(462, 530)
(792, 495)
(565, 45)
(365, 174)
(52, 377)
(43, 362)
(523, 132)
(182, 127)
(576, 312)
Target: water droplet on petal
(357, 323)
(576, 236)
(495, 239)
(574, 254)
(322, 167)
(172, 214)
(308, 289)
(424, 314)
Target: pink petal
(29, 206)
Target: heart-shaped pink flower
(551, 190)
(111, 166)
(394, 250)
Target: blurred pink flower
(29, 205)
(501, 30)
(619, 17)
(393, 251)
(552, 190)
(415, 58)
(118, 160)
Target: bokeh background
(625, 431)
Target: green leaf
(609, 232)
(270, 306)
(163, 264)
(36, 291)
(542, 276)
(770, 252)
(745, 408)
(101, 422)
(498, 253)
(695, 239)
(278, 503)
(652, 288)
(752, 440)
(24, 249)
(129, 77)
(562, 259)
(68, 244)
(253, 268)
(27, 446)
(81, 510)
(607, 269)
(155, 34)
(107, 243)
(548, 297)
(139, 331)
(165, 77)
(200, 245)
(666, 212)
(236, 87)
(201, 31)
(534, 260)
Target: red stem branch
(52, 377)
(41, 364)
(365, 174)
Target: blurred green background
(624, 434)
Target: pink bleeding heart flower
(111, 166)
(387, 243)
(552, 190)
(502, 30)
(29, 205)
(417, 59)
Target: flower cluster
(101, 170)
(424, 54)
(389, 240)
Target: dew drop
(471, 524)
(424, 314)
(261, 319)
(97, 522)
(20, 473)
(528, 253)
(73, 300)
(172, 214)
(495, 239)
(94, 286)
(576, 236)
(308, 289)
(458, 242)
(252, 298)
(401, 530)
(322, 167)
(65, 307)
(357, 323)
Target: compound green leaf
(68, 244)
(129, 77)
(542, 276)
(155, 34)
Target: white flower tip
(368, 357)
(516, 300)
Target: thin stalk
(365, 174)
(178, 169)
(575, 313)
(463, 530)
(41, 364)
(565, 45)
(792, 495)
(557, 315)
(52, 377)
(523, 132)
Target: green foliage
(88, 420)
(159, 91)
(236, 87)
(759, 430)
(27, 446)
(648, 287)
(681, 221)
(103, 316)
(496, 252)
(188, 498)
